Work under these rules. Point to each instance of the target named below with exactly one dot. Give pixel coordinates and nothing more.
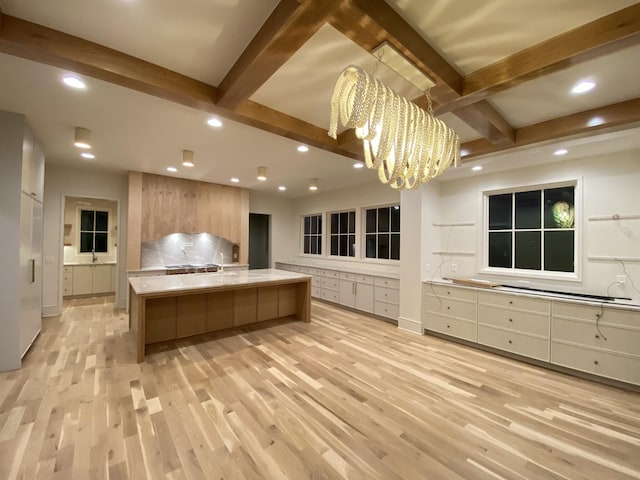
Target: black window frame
(533, 230)
(312, 234)
(102, 246)
(382, 232)
(342, 234)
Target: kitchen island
(168, 307)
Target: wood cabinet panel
(191, 315)
(267, 303)
(245, 306)
(160, 323)
(288, 300)
(219, 311)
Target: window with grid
(382, 237)
(343, 234)
(533, 230)
(312, 236)
(94, 231)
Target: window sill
(532, 275)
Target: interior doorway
(259, 241)
(90, 246)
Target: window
(382, 238)
(533, 230)
(312, 237)
(94, 227)
(343, 234)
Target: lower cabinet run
(599, 339)
(368, 293)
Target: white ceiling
(203, 39)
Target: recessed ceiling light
(214, 122)
(172, 169)
(88, 155)
(358, 165)
(595, 121)
(583, 86)
(477, 168)
(262, 174)
(303, 148)
(561, 151)
(313, 184)
(74, 82)
(235, 180)
(282, 188)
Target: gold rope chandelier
(406, 144)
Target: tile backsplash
(186, 248)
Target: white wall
(610, 185)
(281, 211)
(366, 195)
(61, 181)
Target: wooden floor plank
(345, 396)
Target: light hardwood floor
(345, 396)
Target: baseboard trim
(410, 325)
(51, 311)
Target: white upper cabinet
(32, 167)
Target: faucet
(221, 261)
(94, 259)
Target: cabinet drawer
(330, 273)
(67, 290)
(389, 310)
(355, 277)
(316, 281)
(446, 291)
(450, 326)
(391, 295)
(386, 282)
(514, 342)
(67, 270)
(606, 364)
(450, 307)
(526, 322)
(330, 283)
(515, 302)
(315, 292)
(330, 295)
(608, 316)
(618, 339)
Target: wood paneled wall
(160, 205)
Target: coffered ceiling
(158, 69)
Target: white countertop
(75, 264)
(381, 270)
(197, 281)
(164, 269)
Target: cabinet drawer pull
(448, 326)
(511, 319)
(595, 362)
(510, 341)
(448, 292)
(597, 336)
(448, 308)
(510, 302)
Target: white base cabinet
(366, 292)
(89, 279)
(596, 338)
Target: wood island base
(170, 315)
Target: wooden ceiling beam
(586, 122)
(286, 30)
(370, 22)
(52, 47)
(36, 42)
(605, 35)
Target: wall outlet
(621, 279)
(454, 268)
